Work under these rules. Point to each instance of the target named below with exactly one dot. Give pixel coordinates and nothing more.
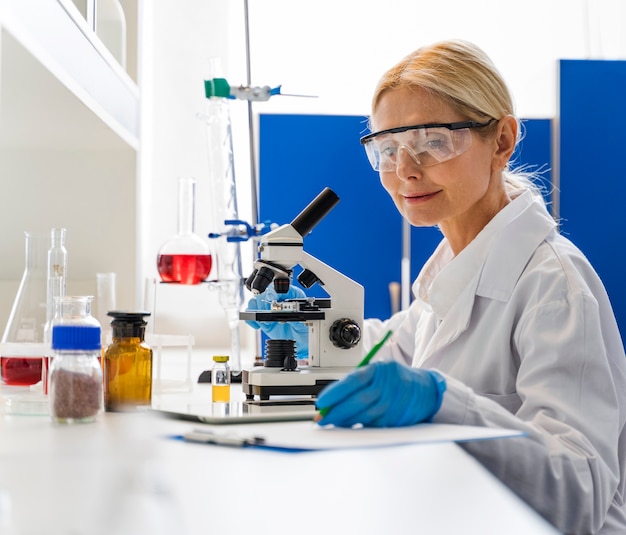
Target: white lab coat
(522, 329)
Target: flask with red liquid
(22, 345)
(185, 258)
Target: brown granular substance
(76, 395)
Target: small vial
(220, 379)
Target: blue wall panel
(592, 177)
(362, 236)
(534, 153)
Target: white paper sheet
(310, 436)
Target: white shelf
(69, 144)
(52, 34)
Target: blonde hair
(461, 74)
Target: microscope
(334, 323)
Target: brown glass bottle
(127, 363)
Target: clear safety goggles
(427, 144)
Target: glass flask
(127, 363)
(185, 258)
(27, 318)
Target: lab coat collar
(491, 264)
(529, 224)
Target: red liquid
(21, 371)
(184, 268)
(45, 374)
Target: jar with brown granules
(76, 393)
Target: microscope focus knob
(345, 333)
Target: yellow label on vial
(221, 393)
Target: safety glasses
(427, 144)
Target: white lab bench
(124, 475)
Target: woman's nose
(408, 164)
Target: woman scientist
(511, 326)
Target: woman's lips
(416, 198)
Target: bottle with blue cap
(76, 393)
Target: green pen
(366, 360)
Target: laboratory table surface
(124, 474)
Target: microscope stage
(308, 381)
(282, 315)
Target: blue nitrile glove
(382, 394)
(288, 330)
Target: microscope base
(307, 381)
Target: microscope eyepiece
(315, 212)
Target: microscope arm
(343, 290)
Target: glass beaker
(27, 318)
(185, 258)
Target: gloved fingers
(302, 344)
(277, 331)
(387, 394)
(253, 324)
(394, 410)
(396, 407)
(269, 295)
(416, 400)
(384, 397)
(258, 303)
(347, 402)
(383, 394)
(346, 387)
(344, 416)
(264, 300)
(351, 411)
(300, 329)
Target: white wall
(177, 42)
(336, 50)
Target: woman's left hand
(382, 394)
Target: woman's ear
(506, 138)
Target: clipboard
(238, 412)
(308, 436)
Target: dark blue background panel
(592, 176)
(534, 153)
(361, 237)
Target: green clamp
(216, 87)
